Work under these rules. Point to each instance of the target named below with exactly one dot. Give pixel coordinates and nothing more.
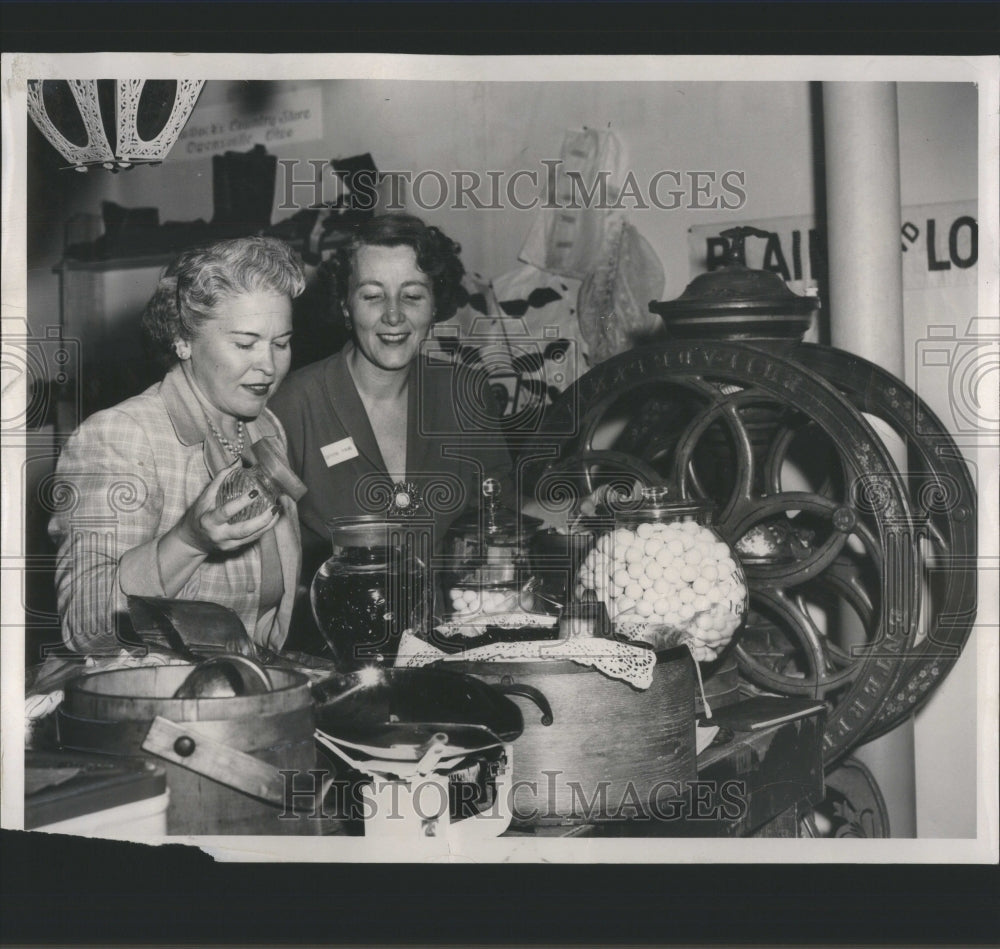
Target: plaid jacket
(123, 480)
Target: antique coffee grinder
(844, 554)
(736, 303)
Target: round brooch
(406, 500)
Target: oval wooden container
(611, 748)
(110, 712)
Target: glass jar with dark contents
(370, 590)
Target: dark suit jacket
(447, 454)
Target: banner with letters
(289, 118)
(949, 346)
(940, 247)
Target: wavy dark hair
(437, 256)
(200, 278)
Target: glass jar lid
(366, 530)
(658, 503)
(493, 524)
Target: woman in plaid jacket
(138, 482)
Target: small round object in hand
(239, 483)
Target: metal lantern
(112, 123)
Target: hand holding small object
(207, 528)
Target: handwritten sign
(285, 119)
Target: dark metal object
(184, 746)
(714, 391)
(509, 687)
(194, 629)
(943, 494)
(864, 538)
(736, 302)
(776, 768)
(853, 806)
(385, 707)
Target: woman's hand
(206, 527)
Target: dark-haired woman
(141, 479)
(377, 415)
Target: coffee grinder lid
(737, 302)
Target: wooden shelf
(116, 263)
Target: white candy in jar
(467, 601)
(678, 574)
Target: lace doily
(621, 661)
(657, 635)
(661, 636)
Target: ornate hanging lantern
(112, 123)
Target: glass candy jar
(666, 576)
(370, 590)
(489, 575)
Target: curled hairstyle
(437, 256)
(201, 278)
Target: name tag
(337, 452)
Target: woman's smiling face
(391, 303)
(241, 354)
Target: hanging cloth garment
(613, 304)
(567, 233)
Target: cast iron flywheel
(775, 446)
(943, 495)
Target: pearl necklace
(235, 450)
